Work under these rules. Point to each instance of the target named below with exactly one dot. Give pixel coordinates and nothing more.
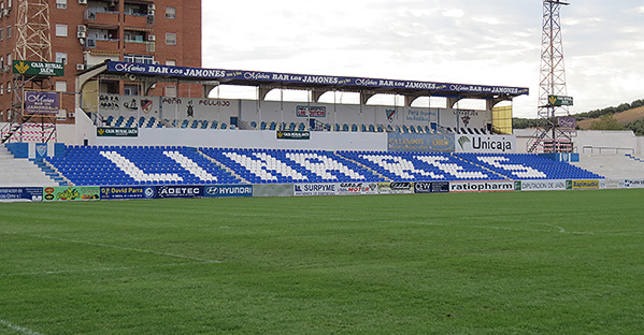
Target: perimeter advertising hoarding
(228, 191)
(482, 186)
(314, 189)
(71, 193)
(128, 192)
(21, 193)
(431, 187)
(356, 188)
(396, 188)
(634, 183)
(583, 184)
(541, 185)
(485, 143)
(163, 192)
(405, 142)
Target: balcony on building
(140, 42)
(102, 16)
(103, 38)
(139, 14)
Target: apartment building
(84, 33)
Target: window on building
(1, 89)
(1, 62)
(1, 34)
(170, 91)
(61, 4)
(61, 57)
(61, 86)
(9, 60)
(131, 89)
(170, 13)
(170, 38)
(61, 30)
(142, 59)
(8, 32)
(171, 62)
(9, 87)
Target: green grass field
(506, 263)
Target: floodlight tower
(33, 43)
(556, 133)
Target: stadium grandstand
(149, 143)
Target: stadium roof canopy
(319, 83)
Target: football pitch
(499, 263)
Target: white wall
(248, 139)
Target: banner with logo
(128, 192)
(314, 189)
(356, 188)
(117, 132)
(541, 185)
(485, 143)
(71, 193)
(634, 183)
(481, 186)
(582, 184)
(431, 187)
(293, 135)
(228, 191)
(405, 142)
(173, 191)
(396, 188)
(42, 102)
(30, 68)
(21, 193)
(308, 111)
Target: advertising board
(634, 183)
(431, 187)
(396, 188)
(583, 184)
(21, 193)
(162, 192)
(405, 142)
(481, 186)
(485, 143)
(356, 188)
(541, 185)
(127, 192)
(42, 102)
(314, 189)
(71, 193)
(228, 191)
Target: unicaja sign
(482, 143)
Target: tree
(606, 122)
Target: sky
(491, 42)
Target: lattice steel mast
(551, 137)
(33, 43)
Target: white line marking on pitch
(18, 329)
(145, 251)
